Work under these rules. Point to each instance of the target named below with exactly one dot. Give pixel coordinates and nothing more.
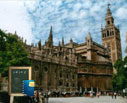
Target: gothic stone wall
(95, 75)
(54, 77)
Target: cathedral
(77, 67)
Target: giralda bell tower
(111, 37)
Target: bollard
(46, 98)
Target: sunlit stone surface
(102, 99)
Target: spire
(50, 38)
(89, 36)
(50, 35)
(62, 41)
(71, 41)
(16, 34)
(89, 39)
(109, 19)
(59, 44)
(39, 45)
(108, 11)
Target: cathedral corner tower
(111, 37)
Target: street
(102, 99)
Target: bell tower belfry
(109, 18)
(111, 37)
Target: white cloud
(71, 19)
(95, 8)
(121, 13)
(77, 6)
(58, 3)
(30, 4)
(13, 18)
(82, 14)
(87, 4)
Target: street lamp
(125, 65)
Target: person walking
(115, 94)
(112, 94)
(46, 97)
(98, 94)
(36, 97)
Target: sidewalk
(101, 99)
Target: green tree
(120, 79)
(13, 53)
(2, 40)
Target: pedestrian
(46, 97)
(41, 98)
(112, 94)
(98, 94)
(115, 94)
(36, 97)
(91, 95)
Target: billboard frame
(9, 84)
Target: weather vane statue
(109, 5)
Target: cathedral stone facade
(54, 67)
(72, 66)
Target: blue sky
(69, 18)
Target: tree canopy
(120, 79)
(12, 52)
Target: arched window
(73, 85)
(36, 68)
(108, 22)
(67, 76)
(60, 75)
(45, 69)
(66, 59)
(67, 84)
(107, 33)
(103, 35)
(112, 32)
(73, 77)
(60, 83)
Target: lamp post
(92, 81)
(125, 66)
